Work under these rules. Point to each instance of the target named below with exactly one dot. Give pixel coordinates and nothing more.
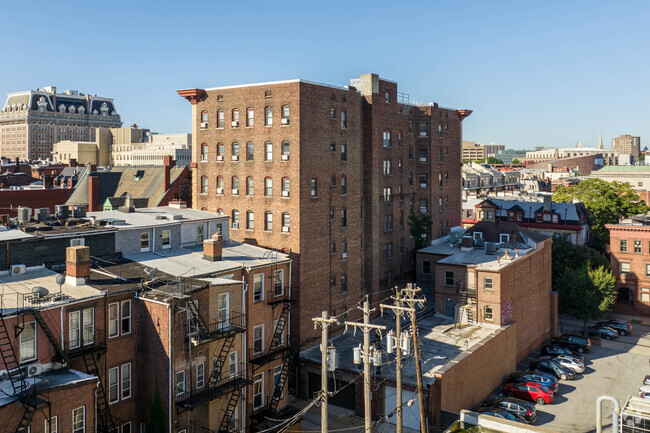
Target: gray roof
(55, 379)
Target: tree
(494, 160)
(566, 255)
(516, 161)
(586, 294)
(420, 228)
(606, 203)
(157, 414)
(642, 157)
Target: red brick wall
(36, 198)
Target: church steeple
(600, 140)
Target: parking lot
(614, 368)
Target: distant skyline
(534, 73)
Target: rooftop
(615, 169)
(51, 379)
(153, 216)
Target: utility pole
(398, 310)
(366, 327)
(324, 321)
(410, 292)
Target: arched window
(268, 151)
(235, 118)
(286, 115)
(235, 219)
(286, 184)
(204, 152)
(286, 222)
(250, 117)
(219, 184)
(235, 151)
(220, 151)
(268, 116)
(220, 119)
(285, 151)
(204, 184)
(235, 185)
(220, 211)
(344, 120)
(250, 151)
(204, 117)
(250, 185)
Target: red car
(528, 391)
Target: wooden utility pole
(410, 292)
(366, 327)
(324, 321)
(398, 310)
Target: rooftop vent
(490, 248)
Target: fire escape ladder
(278, 333)
(26, 419)
(225, 426)
(195, 315)
(105, 424)
(11, 363)
(279, 387)
(223, 355)
(60, 355)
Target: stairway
(105, 424)
(193, 310)
(225, 426)
(279, 388)
(59, 354)
(279, 328)
(223, 355)
(11, 363)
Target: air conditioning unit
(285, 193)
(235, 124)
(285, 121)
(285, 157)
(219, 157)
(235, 192)
(219, 190)
(285, 229)
(18, 269)
(344, 255)
(235, 157)
(204, 125)
(33, 370)
(235, 225)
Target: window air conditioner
(235, 192)
(285, 157)
(344, 255)
(219, 157)
(235, 124)
(285, 121)
(285, 229)
(235, 225)
(33, 370)
(219, 190)
(285, 193)
(18, 269)
(235, 157)
(204, 125)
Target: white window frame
(504, 237)
(626, 265)
(113, 385)
(85, 326)
(491, 317)
(127, 319)
(168, 245)
(33, 343)
(179, 389)
(226, 320)
(268, 151)
(257, 339)
(74, 340)
(488, 283)
(82, 428)
(126, 383)
(148, 247)
(48, 425)
(232, 362)
(200, 375)
(277, 372)
(122, 430)
(279, 272)
(258, 378)
(77, 242)
(255, 284)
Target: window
(268, 187)
(504, 238)
(344, 283)
(235, 219)
(625, 267)
(235, 185)
(204, 119)
(387, 167)
(344, 187)
(388, 222)
(333, 146)
(204, 152)
(258, 339)
(388, 194)
(144, 241)
(488, 313)
(285, 150)
(250, 117)
(623, 246)
(74, 329)
(487, 283)
(314, 187)
(52, 425)
(126, 317)
(126, 381)
(113, 385)
(410, 154)
(258, 391)
(180, 382)
(277, 373)
(422, 155)
(113, 325)
(220, 151)
(250, 220)
(332, 113)
(235, 118)
(28, 342)
(126, 428)
(637, 246)
(285, 186)
(250, 151)
(426, 267)
(250, 186)
(258, 287)
(235, 151)
(268, 221)
(423, 180)
(232, 364)
(647, 270)
(268, 151)
(204, 184)
(268, 116)
(423, 206)
(344, 121)
(223, 309)
(388, 250)
(220, 119)
(423, 129)
(200, 375)
(344, 217)
(286, 115)
(166, 239)
(387, 97)
(278, 283)
(387, 141)
(344, 152)
(88, 321)
(79, 420)
(77, 242)
(449, 278)
(286, 222)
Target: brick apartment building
(326, 172)
(627, 144)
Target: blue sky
(546, 73)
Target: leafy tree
(157, 414)
(606, 203)
(642, 157)
(566, 255)
(586, 294)
(494, 160)
(420, 228)
(516, 161)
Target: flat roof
(272, 83)
(51, 379)
(441, 344)
(146, 217)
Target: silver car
(570, 363)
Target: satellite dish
(40, 292)
(60, 279)
(151, 272)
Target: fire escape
(466, 308)
(218, 385)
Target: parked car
(603, 332)
(646, 380)
(528, 391)
(499, 413)
(576, 343)
(569, 362)
(621, 326)
(644, 392)
(556, 349)
(545, 379)
(547, 365)
(515, 406)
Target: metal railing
(235, 323)
(211, 391)
(94, 341)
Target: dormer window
(504, 238)
(478, 235)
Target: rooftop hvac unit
(79, 212)
(23, 214)
(479, 243)
(61, 211)
(41, 214)
(33, 370)
(490, 248)
(18, 269)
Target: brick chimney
(93, 193)
(168, 164)
(77, 265)
(213, 247)
(17, 165)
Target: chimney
(168, 164)
(93, 193)
(467, 243)
(213, 247)
(92, 167)
(548, 202)
(77, 265)
(17, 165)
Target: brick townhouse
(326, 172)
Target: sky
(545, 73)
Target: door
(450, 308)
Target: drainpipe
(615, 413)
(171, 354)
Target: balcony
(87, 343)
(220, 388)
(235, 324)
(278, 296)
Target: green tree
(586, 294)
(494, 160)
(566, 255)
(516, 161)
(157, 414)
(420, 228)
(642, 157)
(606, 203)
